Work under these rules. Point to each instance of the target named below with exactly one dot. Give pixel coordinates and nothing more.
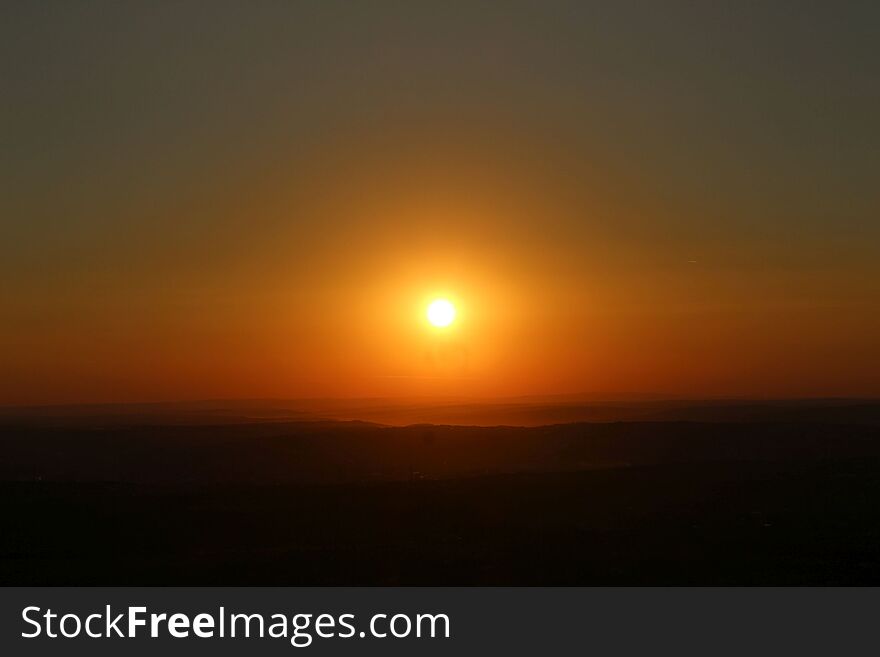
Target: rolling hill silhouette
(752, 493)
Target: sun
(441, 313)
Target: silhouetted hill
(527, 411)
(332, 452)
(792, 500)
(747, 523)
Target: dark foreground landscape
(790, 498)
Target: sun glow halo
(441, 313)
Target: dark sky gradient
(247, 199)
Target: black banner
(372, 621)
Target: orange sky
(209, 218)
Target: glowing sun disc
(441, 313)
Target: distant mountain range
(524, 411)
